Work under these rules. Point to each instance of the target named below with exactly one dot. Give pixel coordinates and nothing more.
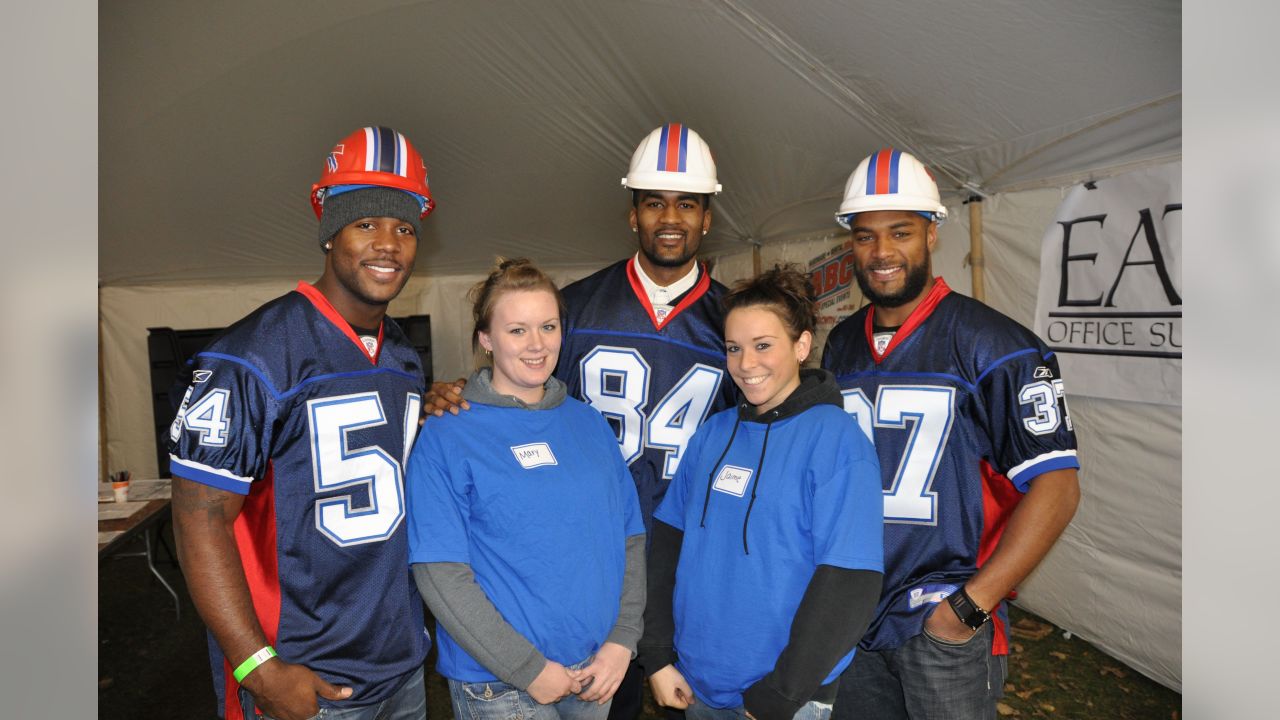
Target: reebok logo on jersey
(1042, 372)
(732, 480)
(200, 376)
(534, 455)
(926, 594)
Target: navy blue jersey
(288, 408)
(965, 408)
(654, 383)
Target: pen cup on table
(121, 490)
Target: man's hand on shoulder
(286, 691)
(444, 397)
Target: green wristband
(253, 662)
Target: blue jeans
(497, 700)
(925, 679)
(812, 710)
(408, 703)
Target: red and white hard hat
(374, 156)
(673, 157)
(891, 179)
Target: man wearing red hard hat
(287, 459)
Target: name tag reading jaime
(733, 480)
(534, 455)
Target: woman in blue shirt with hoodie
(767, 551)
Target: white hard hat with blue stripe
(891, 179)
(673, 157)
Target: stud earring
(328, 246)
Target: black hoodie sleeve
(657, 646)
(837, 607)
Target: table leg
(146, 540)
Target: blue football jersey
(965, 408)
(288, 408)
(654, 382)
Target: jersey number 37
(926, 413)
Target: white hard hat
(673, 157)
(891, 179)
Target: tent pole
(755, 259)
(103, 470)
(976, 261)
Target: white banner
(834, 286)
(1110, 299)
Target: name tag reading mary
(534, 455)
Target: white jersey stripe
(1014, 472)
(180, 462)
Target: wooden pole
(976, 261)
(755, 259)
(103, 470)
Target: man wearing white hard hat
(643, 338)
(967, 412)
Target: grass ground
(1053, 676)
(151, 665)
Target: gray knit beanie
(345, 208)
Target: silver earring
(635, 230)
(328, 246)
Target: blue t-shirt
(287, 407)
(817, 502)
(539, 504)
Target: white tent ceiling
(215, 117)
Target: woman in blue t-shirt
(525, 536)
(767, 550)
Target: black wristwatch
(967, 610)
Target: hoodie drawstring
(711, 477)
(756, 483)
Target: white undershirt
(660, 296)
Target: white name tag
(733, 480)
(534, 455)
